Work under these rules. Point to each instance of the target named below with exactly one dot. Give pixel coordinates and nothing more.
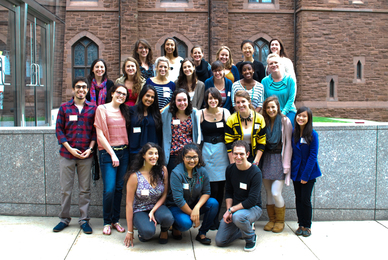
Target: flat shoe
(107, 230)
(175, 235)
(299, 231)
(306, 232)
(118, 227)
(203, 241)
(61, 226)
(142, 239)
(163, 240)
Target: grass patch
(320, 119)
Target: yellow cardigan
(234, 131)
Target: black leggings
(304, 208)
(217, 191)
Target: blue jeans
(184, 223)
(113, 180)
(241, 226)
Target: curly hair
(156, 173)
(137, 79)
(173, 109)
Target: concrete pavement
(33, 238)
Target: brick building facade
(339, 47)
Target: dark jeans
(217, 191)
(304, 208)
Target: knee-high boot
(271, 214)
(279, 224)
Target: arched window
(331, 91)
(359, 70)
(261, 51)
(84, 51)
(181, 47)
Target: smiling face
(191, 160)
(247, 71)
(162, 68)
(119, 95)
(188, 68)
(223, 56)
(240, 156)
(99, 69)
(130, 68)
(142, 50)
(247, 50)
(273, 64)
(197, 54)
(213, 102)
(181, 101)
(242, 105)
(169, 46)
(80, 90)
(302, 119)
(272, 109)
(275, 47)
(151, 156)
(149, 98)
(218, 73)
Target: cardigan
(199, 93)
(167, 135)
(234, 131)
(235, 73)
(304, 164)
(257, 97)
(209, 83)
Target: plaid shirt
(78, 132)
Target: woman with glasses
(222, 84)
(190, 195)
(142, 53)
(112, 122)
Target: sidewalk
(33, 238)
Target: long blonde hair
(137, 79)
(229, 63)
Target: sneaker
(118, 227)
(86, 228)
(107, 230)
(251, 246)
(61, 226)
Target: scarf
(202, 71)
(101, 92)
(274, 136)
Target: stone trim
(355, 62)
(248, 5)
(173, 5)
(257, 36)
(181, 37)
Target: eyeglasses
(218, 71)
(81, 87)
(120, 93)
(189, 158)
(142, 48)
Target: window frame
(329, 79)
(247, 4)
(85, 67)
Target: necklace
(214, 115)
(247, 119)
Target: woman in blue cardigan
(304, 167)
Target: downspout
(119, 34)
(209, 19)
(295, 35)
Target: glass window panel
(85, 41)
(264, 55)
(182, 50)
(92, 53)
(79, 55)
(79, 73)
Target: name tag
(176, 122)
(145, 192)
(220, 124)
(73, 118)
(185, 186)
(257, 126)
(228, 94)
(303, 141)
(166, 89)
(166, 94)
(243, 186)
(136, 130)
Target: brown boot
(271, 214)
(279, 224)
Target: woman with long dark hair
(248, 48)
(276, 162)
(112, 122)
(188, 80)
(190, 196)
(131, 79)
(202, 67)
(170, 51)
(147, 186)
(142, 52)
(304, 167)
(181, 126)
(99, 82)
(146, 121)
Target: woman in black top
(248, 48)
(202, 67)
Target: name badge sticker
(145, 192)
(257, 126)
(243, 186)
(166, 89)
(228, 94)
(185, 186)
(303, 141)
(73, 118)
(136, 130)
(176, 122)
(166, 94)
(220, 124)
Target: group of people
(182, 134)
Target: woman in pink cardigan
(276, 162)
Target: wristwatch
(230, 210)
(91, 149)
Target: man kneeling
(243, 199)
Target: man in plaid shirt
(77, 136)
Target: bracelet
(255, 163)
(130, 232)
